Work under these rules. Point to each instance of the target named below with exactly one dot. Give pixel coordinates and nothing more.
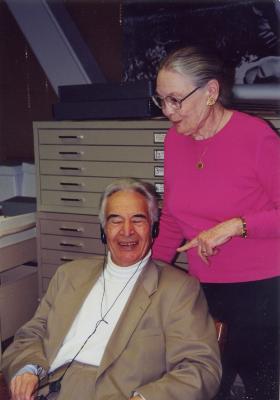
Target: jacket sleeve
(192, 354)
(27, 347)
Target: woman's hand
(207, 241)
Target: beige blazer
(163, 346)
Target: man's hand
(23, 386)
(207, 241)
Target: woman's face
(193, 110)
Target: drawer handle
(71, 168)
(71, 184)
(71, 137)
(69, 199)
(72, 153)
(64, 228)
(66, 259)
(65, 244)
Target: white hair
(133, 185)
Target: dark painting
(244, 32)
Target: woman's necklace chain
(200, 163)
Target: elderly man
(126, 327)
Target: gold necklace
(200, 162)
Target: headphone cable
(56, 385)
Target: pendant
(200, 165)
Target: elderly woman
(222, 194)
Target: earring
(210, 101)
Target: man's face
(128, 227)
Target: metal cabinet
(63, 238)
(75, 161)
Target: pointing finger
(189, 245)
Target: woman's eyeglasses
(171, 101)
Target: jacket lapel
(71, 304)
(136, 306)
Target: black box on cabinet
(106, 91)
(18, 205)
(105, 109)
(106, 101)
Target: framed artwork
(244, 32)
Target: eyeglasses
(171, 101)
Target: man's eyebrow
(139, 216)
(110, 216)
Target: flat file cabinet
(75, 161)
(63, 238)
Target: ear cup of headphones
(103, 235)
(155, 229)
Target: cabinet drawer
(48, 270)
(181, 258)
(102, 169)
(101, 153)
(71, 183)
(181, 261)
(73, 199)
(57, 257)
(77, 183)
(93, 219)
(126, 135)
(69, 228)
(45, 284)
(73, 244)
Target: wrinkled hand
(207, 241)
(23, 386)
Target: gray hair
(201, 66)
(131, 185)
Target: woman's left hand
(207, 241)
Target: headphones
(154, 233)
(103, 236)
(155, 229)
